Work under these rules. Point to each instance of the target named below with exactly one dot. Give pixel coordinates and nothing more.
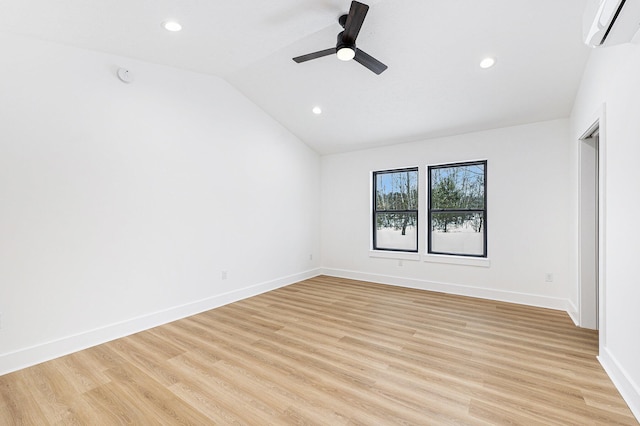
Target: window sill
(394, 255)
(457, 260)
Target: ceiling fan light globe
(346, 53)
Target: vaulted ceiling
(433, 86)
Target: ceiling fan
(345, 48)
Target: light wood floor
(331, 351)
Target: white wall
(529, 222)
(611, 84)
(120, 204)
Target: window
(457, 211)
(395, 210)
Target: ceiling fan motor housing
(347, 45)
(342, 20)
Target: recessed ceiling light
(172, 26)
(317, 110)
(487, 62)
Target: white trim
(457, 260)
(572, 310)
(36, 354)
(602, 224)
(629, 390)
(597, 120)
(402, 255)
(462, 290)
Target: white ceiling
(433, 87)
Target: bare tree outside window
(457, 209)
(395, 210)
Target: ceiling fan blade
(315, 55)
(369, 61)
(354, 22)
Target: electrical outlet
(223, 275)
(311, 257)
(400, 262)
(548, 277)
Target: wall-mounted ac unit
(611, 22)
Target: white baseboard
(629, 390)
(33, 355)
(572, 310)
(462, 290)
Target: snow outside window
(457, 209)
(395, 210)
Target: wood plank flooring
(331, 351)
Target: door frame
(596, 125)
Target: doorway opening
(589, 255)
